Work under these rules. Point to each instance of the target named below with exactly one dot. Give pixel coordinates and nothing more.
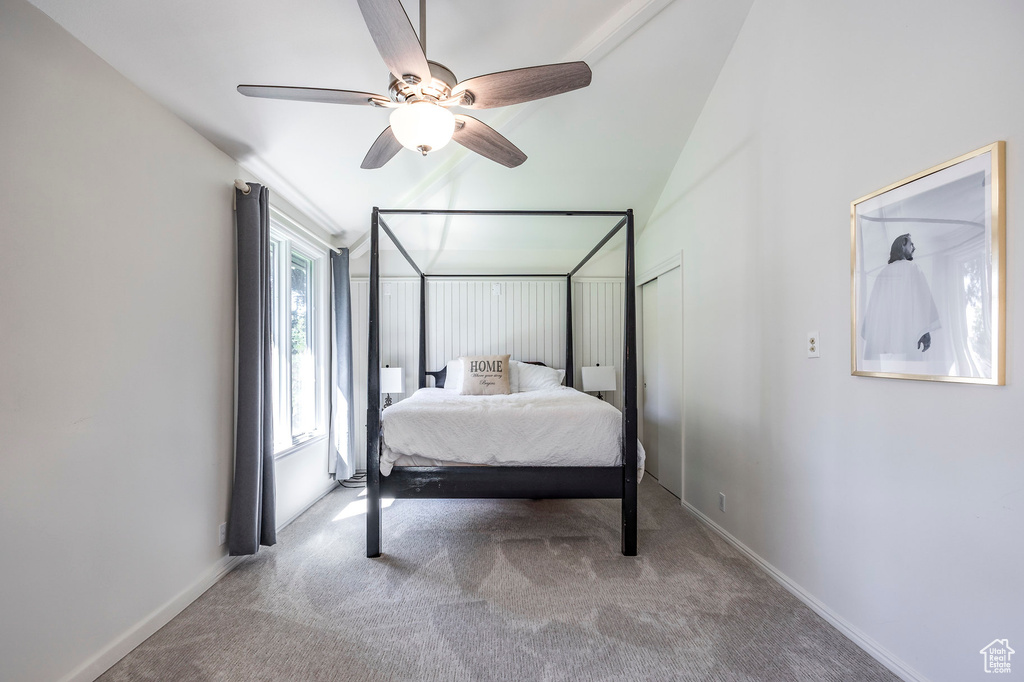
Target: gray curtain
(253, 519)
(342, 463)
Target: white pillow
(453, 379)
(537, 378)
(513, 374)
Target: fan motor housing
(440, 87)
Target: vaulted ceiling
(607, 146)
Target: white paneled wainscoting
(524, 317)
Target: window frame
(286, 238)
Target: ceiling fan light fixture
(420, 92)
(422, 126)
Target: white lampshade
(392, 380)
(422, 126)
(599, 378)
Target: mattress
(554, 427)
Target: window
(300, 325)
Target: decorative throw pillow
(485, 375)
(537, 377)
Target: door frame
(641, 346)
(648, 275)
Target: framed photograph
(928, 270)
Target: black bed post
(373, 521)
(569, 362)
(629, 402)
(423, 331)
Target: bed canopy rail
(502, 482)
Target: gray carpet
(498, 590)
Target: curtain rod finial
(243, 186)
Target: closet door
(663, 379)
(650, 378)
(670, 388)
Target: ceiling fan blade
(522, 85)
(395, 38)
(309, 94)
(481, 138)
(382, 150)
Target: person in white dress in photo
(901, 312)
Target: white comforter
(554, 427)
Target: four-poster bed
(488, 482)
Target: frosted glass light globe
(422, 126)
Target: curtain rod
(244, 188)
(291, 224)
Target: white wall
(898, 504)
(465, 317)
(301, 479)
(117, 314)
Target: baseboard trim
(321, 495)
(857, 636)
(144, 629)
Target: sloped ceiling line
(611, 145)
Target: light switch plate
(813, 345)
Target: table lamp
(599, 379)
(392, 380)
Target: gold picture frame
(939, 316)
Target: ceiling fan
(422, 92)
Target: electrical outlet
(721, 502)
(813, 345)
(496, 289)
(223, 533)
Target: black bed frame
(489, 481)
